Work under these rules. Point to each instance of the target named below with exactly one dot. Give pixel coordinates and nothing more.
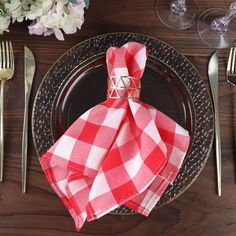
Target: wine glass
(177, 14)
(215, 28)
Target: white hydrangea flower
(4, 23)
(47, 5)
(36, 10)
(14, 8)
(48, 16)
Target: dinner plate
(78, 81)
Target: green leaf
(86, 3)
(2, 13)
(73, 1)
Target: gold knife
(213, 71)
(29, 68)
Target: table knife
(29, 70)
(213, 71)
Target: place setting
(166, 86)
(123, 123)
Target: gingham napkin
(121, 151)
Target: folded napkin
(121, 151)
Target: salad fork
(7, 69)
(231, 68)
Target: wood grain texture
(197, 212)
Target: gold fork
(231, 68)
(7, 68)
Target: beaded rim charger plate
(78, 81)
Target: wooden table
(197, 212)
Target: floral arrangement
(47, 16)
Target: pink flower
(62, 16)
(39, 29)
(77, 9)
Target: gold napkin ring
(123, 87)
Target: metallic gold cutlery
(7, 68)
(213, 70)
(29, 65)
(231, 68)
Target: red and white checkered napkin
(121, 151)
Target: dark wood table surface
(197, 212)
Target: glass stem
(178, 7)
(221, 24)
